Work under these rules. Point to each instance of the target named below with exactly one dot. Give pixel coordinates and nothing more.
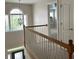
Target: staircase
(41, 46)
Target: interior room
(39, 29)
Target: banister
(50, 39)
(69, 47)
(36, 26)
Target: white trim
(15, 49)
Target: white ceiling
(24, 1)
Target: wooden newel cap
(71, 47)
(70, 42)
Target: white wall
(40, 12)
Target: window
(18, 55)
(16, 11)
(6, 23)
(14, 21)
(9, 56)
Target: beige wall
(14, 39)
(26, 8)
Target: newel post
(70, 49)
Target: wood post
(70, 49)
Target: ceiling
(23, 1)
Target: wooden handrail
(50, 39)
(69, 47)
(35, 26)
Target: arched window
(16, 11)
(15, 20)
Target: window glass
(16, 22)
(19, 55)
(9, 56)
(6, 23)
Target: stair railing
(46, 47)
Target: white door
(66, 22)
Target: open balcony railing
(42, 46)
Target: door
(66, 21)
